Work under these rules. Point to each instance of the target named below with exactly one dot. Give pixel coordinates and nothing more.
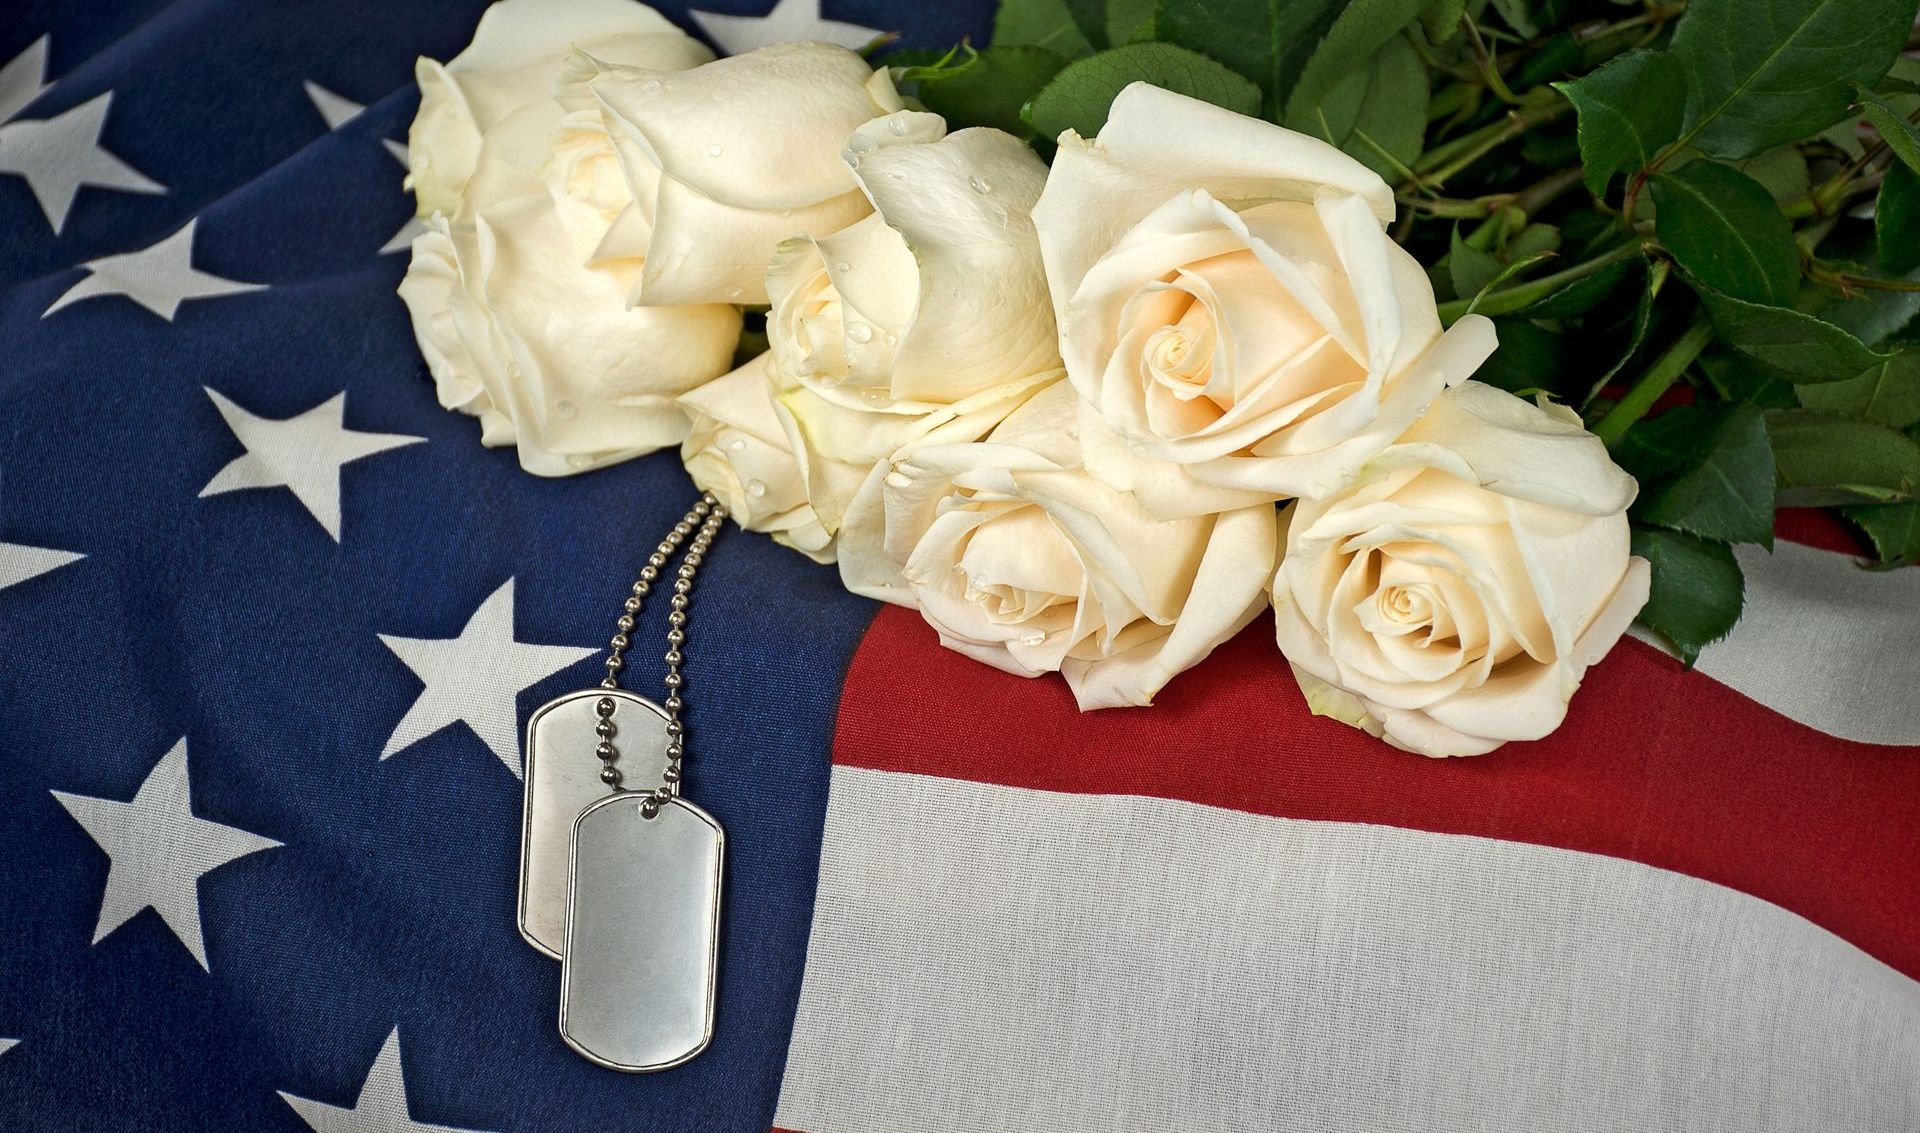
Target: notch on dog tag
(562, 777)
(643, 933)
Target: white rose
(542, 347)
(516, 52)
(1022, 559)
(926, 321)
(730, 158)
(1452, 600)
(739, 450)
(1229, 303)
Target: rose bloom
(525, 327)
(515, 54)
(1230, 304)
(925, 322)
(1453, 598)
(728, 159)
(1022, 559)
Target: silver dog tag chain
(624, 888)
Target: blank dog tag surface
(562, 777)
(643, 933)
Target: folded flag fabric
(272, 621)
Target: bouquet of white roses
(1094, 344)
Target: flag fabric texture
(271, 623)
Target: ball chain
(701, 522)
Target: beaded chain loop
(702, 522)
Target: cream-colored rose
(1229, 303)
(1452, 599)
(541, 346)
(1022, 559)
(739, 450)
(730, 158)
(924, 322)
(515, 54)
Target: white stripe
(992, 958)
(1824, 642)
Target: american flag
(271, 623)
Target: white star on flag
(475, 678)
(8, 1044)
(159, 278)
(25, 78)
(338, 110)
(58, 155)
(159, 850)
(402, 241)
(788, 22)
(380, 1108)
(19, 562)
(303, 453)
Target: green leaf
(1090, 16)
(1378, 114)
(1737, 379)
(1894, 530)
(1471, 269)
(1129, 21)
(1079, 97)
(1362, 28)
(1583, 294)
(1896, 220)
(1518, 17)
(1268, 41)
(1558, 56)
(1763, 72)
(1657, 273)
(1782, 169)
(1888, 394)
(1440, 19)
(1799, 346)
(1697, 589)
(990, 88)
(1824, 461)
(1721, 483)
(1724, 229)
(1529, 357)
(1039, 23)
(1902, 137)
(1627, 110)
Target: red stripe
(1654, 764)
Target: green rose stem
(1659, 378)
(1443, 161)
(1508, 300)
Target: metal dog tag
(562, 777)
(643, 933)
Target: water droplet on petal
(875, 397)
(579, 460)
(784, 213)
(897, 127)
(860, 143)
(651, 86)
(851, 158)
(714, 150)
(978, 185)
(892, 338)
(567, 410)
(859, 332)
(737, 446)
(1033, 637)
(842, 266)
(733, 292)
(756, 489)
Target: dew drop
(875, 397)
(714, 150)
(1033, 637)
(842, 266)
(737, 446)
(860, 143)
(859, 332)
(567, 410)
(579, 460)
(851, 158)
(784, 213)
(733, 292)
(756, 489)
(892, 338)
(651, 86)
(897, 128)
(978, 185)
